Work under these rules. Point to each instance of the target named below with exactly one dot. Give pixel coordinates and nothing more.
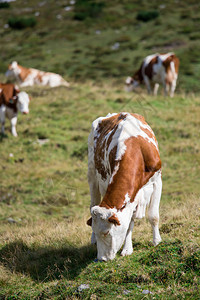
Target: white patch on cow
(116, 168)
(129, 80)
(23, 102)
(127, 198)
(163, 57)
(148, 59)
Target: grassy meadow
(45, 250)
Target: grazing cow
(29, 77)
(158, 69)
(124, 167)
(12, 100)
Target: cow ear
(113, 219)
(89, 222)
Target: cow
(30, 77)
(157, 69)
(124, 168)
(12, 100)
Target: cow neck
(139, 163)
(138, 74)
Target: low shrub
(146, 16)
(4, 5)
(87, 8)
(21, 23)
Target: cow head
(13, 70)
(110, 229)
(23, 102)
(131, 83)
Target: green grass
(46, 252)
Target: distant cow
(12, 100)
(157, 69)
(124, 167)
(29, 76)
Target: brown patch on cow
(149, 133)
(139, 163)
(112, 159)
(167, 66)
(24, 72)
(39, 77)
(149, 68)
(113, 219)
(8, 95)
(89, 222)
(106, 126)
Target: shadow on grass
(3, 136)
(46, 264)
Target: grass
(45, 250)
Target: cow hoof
(97, 260)
(126, 252)
(156, 242)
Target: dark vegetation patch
(4, 5)
(21, 22)
(146, 16)
(87, 9)
(80, 152)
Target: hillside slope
(110, 40)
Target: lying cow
(157, 69)
(124, 167)
(29, 76)
(12, 100)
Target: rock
(145, 292)
(83, 287)
(115, 46)
(67, 8)
(11, 220)
(42, 141)
(93, 297)
(126, 292)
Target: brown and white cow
(124, 167)
(29, 76)
(12, 100)
(157, 69)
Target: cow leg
(148, 85)
(94, 192)
(13, 126)
(95, 200)
(156, 87)
(153, 213)
(128, 247)
(2, 118)
(172, 88)
(166, 89)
